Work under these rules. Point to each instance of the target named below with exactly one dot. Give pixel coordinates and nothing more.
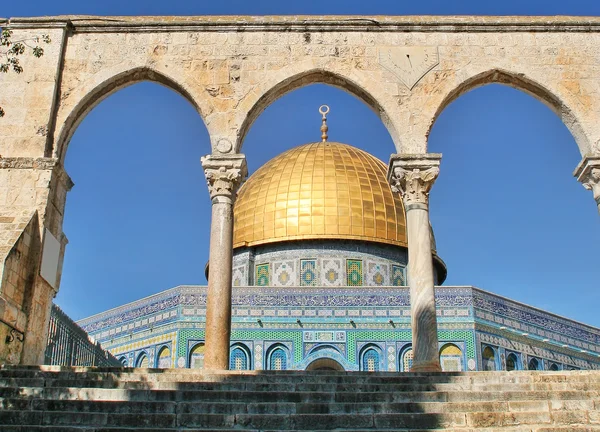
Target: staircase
(78, 399)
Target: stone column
(412, 176)
(224, 174)
(588, 173)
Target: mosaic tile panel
(354, 273)
(405, 336)
(308, 272)
(262, 275)
(284, 274)
(398, 278)
(332, 273)
(272, 335)
(377, 274)
(239, 276)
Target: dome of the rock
(321, 214)
(322, 190)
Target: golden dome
(324, 190)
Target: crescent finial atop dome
(324, 109)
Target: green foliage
(10, 50)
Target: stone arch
(299, 76)
(76, 106)
(325, 352)
(525, 84)
(325, 363)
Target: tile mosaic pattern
(354, 272)
(398, 278)
(332, 273)
(308, 272)
(284, 274)
(239, 276)
(262, 275)
(377, 274)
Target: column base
(426, 367)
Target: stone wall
(407, 69)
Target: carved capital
(413, 176)
(224, 175)
(588, 173)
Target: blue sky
(507, 213)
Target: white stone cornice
(224, 175)
(588, 173)
(413, 175)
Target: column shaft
(422, 294)
(218, 303)
(224, 174)
(412, 176)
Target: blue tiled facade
(357, 327)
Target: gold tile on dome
(318, 190)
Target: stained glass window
(489, 359)
(534, 364)
(451, 358)
(278, 359)
(238, 359)
(511, 362)
(308, 272)
(164, 358)
(370, 360)
(197, 357)
(142, 361)
(398, 278)
(354, 272)
(262, 275)
(407, 360)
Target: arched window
(278, 359)
(123, 361)
(533, 364)
(406, 360)
(553, 367)
(451, 358)
(512, 363)
(238, 359)
(142, 361)
(164, 358)
(370, 360)
(197, 356)
(489, 359)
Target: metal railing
(70, 345)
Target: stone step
(240, 385)
(302, 376)
(376, 421)
(66, 393)
(154, 407)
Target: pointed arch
(527, 85)
(275, 88)
(77, 107)
(142, 361)
(277, 357)
(370, 358)
(239, 357)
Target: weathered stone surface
(232, 68)
(96, 401)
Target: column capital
(224, 175)
(413, 175)
(588, 173)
